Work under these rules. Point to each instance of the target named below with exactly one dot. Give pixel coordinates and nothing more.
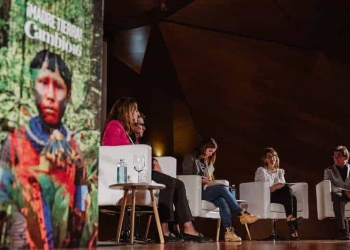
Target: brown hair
(343, 150)
(204, 145)
(273, 152)
(121, 111)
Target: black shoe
(138, 238)
(295, 222)
(293, 237)
(171, 238)
(178, 235)
(343, 235)
(196, 238)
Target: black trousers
(174, 195)
(284, 196)
(339, 202)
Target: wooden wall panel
(249, 94)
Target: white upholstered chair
(201, 208)
(324, 201)
(257, 195)
(109, 200)
(109, 156)
(168, 165)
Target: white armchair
(110, 201)
(107, 173)
(324, 201)
(202, 208)
(168, 165)
(257, 195)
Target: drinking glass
(139, 164)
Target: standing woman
(201, 162)
(120, 122)
(280, 191)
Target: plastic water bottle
(233, 190)
(122, 172)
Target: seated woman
(280, 191)
(122, 121)
(200, 162)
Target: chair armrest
(221, 182)
(107, 169)
(168, 165)
(300, 190)
(324, 200)
(193, 185)
(257, 195)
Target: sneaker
(230, 235)
(248, 218)
(343, 235)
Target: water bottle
(122, 174)
(233, 190)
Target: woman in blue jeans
(201, 162)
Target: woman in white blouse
(280, 191)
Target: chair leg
(121, 217)
(248, 232)
(156, 216)
(273, 236)
(148, 225)
(218, 229)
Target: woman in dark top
(201, 162)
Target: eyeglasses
(141, 124)
(337, 156)
(271, 156)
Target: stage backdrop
(50, 94)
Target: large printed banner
(50, 94)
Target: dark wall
(247, 94)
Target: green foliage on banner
(16, 52)
(82, 115)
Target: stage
(245, 245)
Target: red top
(115, 134)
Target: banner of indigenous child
(50, 94)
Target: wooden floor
(245, 245)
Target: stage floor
(245, 245)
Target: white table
(133, 187)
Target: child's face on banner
(51, 95)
